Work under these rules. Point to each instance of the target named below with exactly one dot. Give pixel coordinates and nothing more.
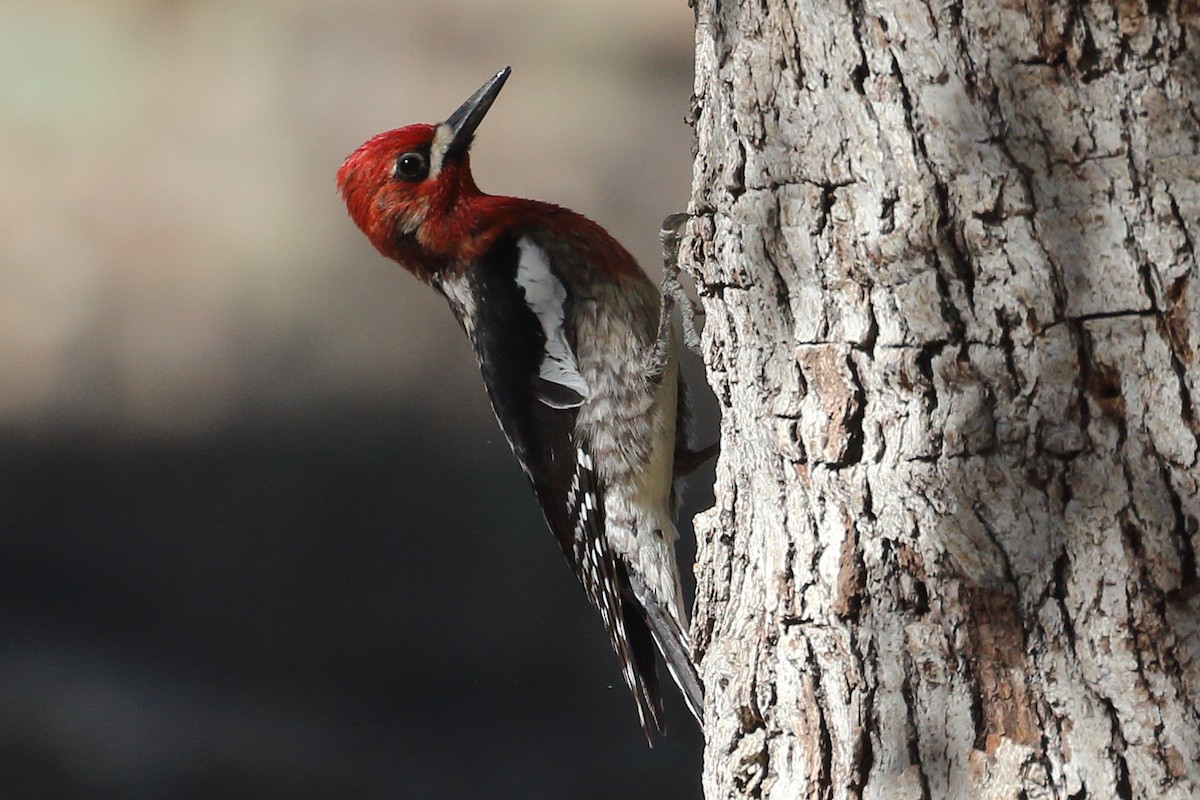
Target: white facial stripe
(545, 295)
(441, 139)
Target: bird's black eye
(410, 166)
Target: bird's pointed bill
(460, 126)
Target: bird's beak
(463, 122)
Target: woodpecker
(580, 363)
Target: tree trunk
(947, 253)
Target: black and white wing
(523, 340)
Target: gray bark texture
(947, 253)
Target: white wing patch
(546, 297)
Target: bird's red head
(397, 182)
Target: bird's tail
(674, 645)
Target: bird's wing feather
(536, 390)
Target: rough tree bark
(947, 252)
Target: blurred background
(260, 536)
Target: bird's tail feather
(675, 647)
(641, 675)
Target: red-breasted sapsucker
(580, 363)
